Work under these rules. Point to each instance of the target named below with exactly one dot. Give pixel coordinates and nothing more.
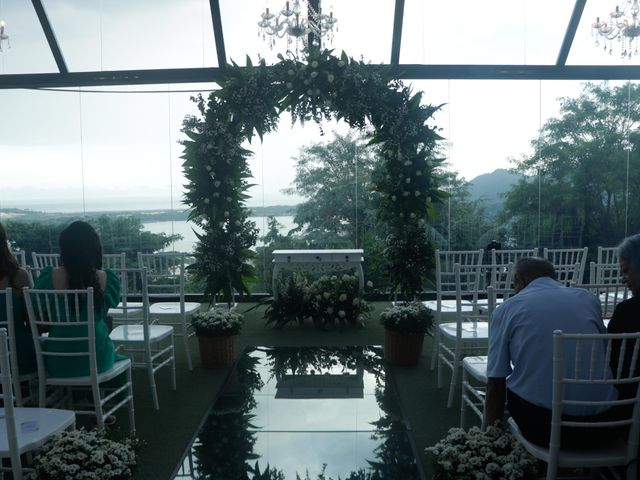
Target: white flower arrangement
(85, 455)
(407, 317)
(481, 455)
(217, 321)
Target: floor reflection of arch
(186, 470)
(321, 385)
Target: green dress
(24, 342)
(106, 354)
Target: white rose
(289, 85)
(206, 200)
(314, 74)
(314, 64)
(370, 284)
(330, 78)
(326, 295)
(343, 297)
(341, 314)
(291, 72)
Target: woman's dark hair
(81, 254)
(629, 251)
(8, 263)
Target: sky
(95, 148)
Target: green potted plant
(405, 325)
(82, 454)
(216, 330)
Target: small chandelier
(296, 26)
(622, 26)
(3, 36)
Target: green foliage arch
(322, 87)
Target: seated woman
(81, 255)
(626, 316)
(11, 275)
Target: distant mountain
(488, 187)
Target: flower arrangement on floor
(475, 455)
(412, 317)
(217, 322)
(321, 87)
(329, 300)
(405, 325)
(336, 299)
(216, 330)
(85, 455)
(293, 303)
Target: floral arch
(323, 86)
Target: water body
(186, 229)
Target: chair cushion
(118, 367)
(34, 426)
(173, 308)
(134, 333)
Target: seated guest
(520, 355)
(11, 275)
(626, 316)
(81, 255)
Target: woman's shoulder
(45, 278)
(625, 316)
(21, 279)
(112, 287)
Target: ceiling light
(297, 23)
(621, 27)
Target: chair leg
(454, 378)
(439, 369)
(152, 383)
(436, 344)
(462, 398)
(132, 420)
(173, 365)
(185, 338)
(97, 406)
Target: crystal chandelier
(621, 26)
(3, 36)
(299, 23)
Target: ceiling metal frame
(559, 71)
(570, 33)
(50, 35)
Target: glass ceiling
(114, 35)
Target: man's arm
(495, 399)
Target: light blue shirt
(521, 341)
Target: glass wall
(524, 162)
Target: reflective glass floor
(304, 413)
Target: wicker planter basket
(218, 351)
(402, 348)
